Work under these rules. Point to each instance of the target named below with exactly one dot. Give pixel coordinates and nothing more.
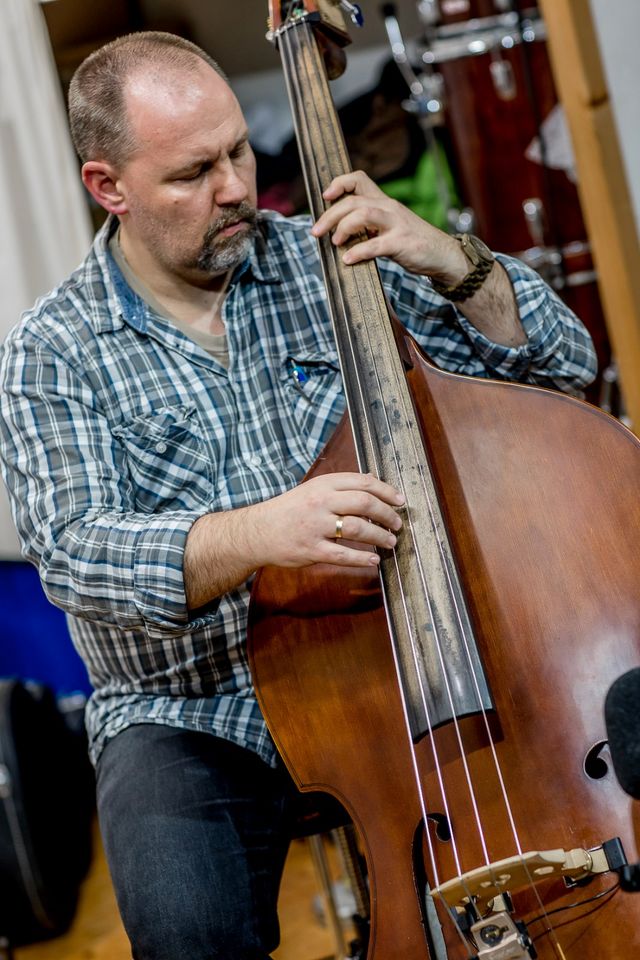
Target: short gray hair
(97, 117)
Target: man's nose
(230, 188)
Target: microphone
(622, 719)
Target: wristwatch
(481, 260)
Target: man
(159, 411)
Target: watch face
(481, 250)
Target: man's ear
(102, 182)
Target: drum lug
(429, 12)
(503, 77)
(533, 210)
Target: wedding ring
(338, 533)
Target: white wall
(618, 29)
(44, 216)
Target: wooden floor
(97, 932)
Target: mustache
(244, 211)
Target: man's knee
(185, 883)
(191, 924)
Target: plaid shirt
(118, 432)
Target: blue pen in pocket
(302, 372)
(298, 374)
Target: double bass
(453, 703)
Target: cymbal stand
(426, 104)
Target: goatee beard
(219, 254)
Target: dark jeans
(196, 832)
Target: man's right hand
(305, 525)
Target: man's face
(189, 187)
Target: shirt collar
(262, 265)
(118, 304)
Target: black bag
(46, 809)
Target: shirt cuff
(540, 313)
(158, 577)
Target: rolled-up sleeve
(558, 353)
(73, 504)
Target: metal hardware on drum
(503, 77)
(551, 263)
(533, 210)
(611, 402)
(429, 12)
(510, 22)
(473, 38)
(609, 383)
(546, 260)
(579, 250)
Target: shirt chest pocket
(312, 386)
(169, 464)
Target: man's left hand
(378, 226)
(359, 207)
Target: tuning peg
(354, 12)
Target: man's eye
(196, 174)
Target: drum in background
(498, 90)
(457, 11)
(498, 94)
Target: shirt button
(255, 460)
(161, 447)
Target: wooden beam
(603, 187)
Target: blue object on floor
(34, 639)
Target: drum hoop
(482, 36)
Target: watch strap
(473, 280)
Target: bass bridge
(480, 900)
